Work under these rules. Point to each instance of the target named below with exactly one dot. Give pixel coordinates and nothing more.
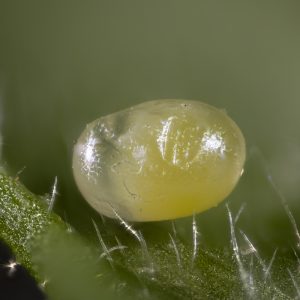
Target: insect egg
(159, 160)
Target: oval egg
(159, 160)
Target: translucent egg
(159, 160)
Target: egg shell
(159, 160)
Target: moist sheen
(159, 160)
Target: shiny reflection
(163, 136)
(175, 160)
(213, 142)
(90, 158)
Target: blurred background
(66, 63)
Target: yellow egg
(159, 160)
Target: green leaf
(133, 265)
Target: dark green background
(65, 63)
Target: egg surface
(159, 160)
